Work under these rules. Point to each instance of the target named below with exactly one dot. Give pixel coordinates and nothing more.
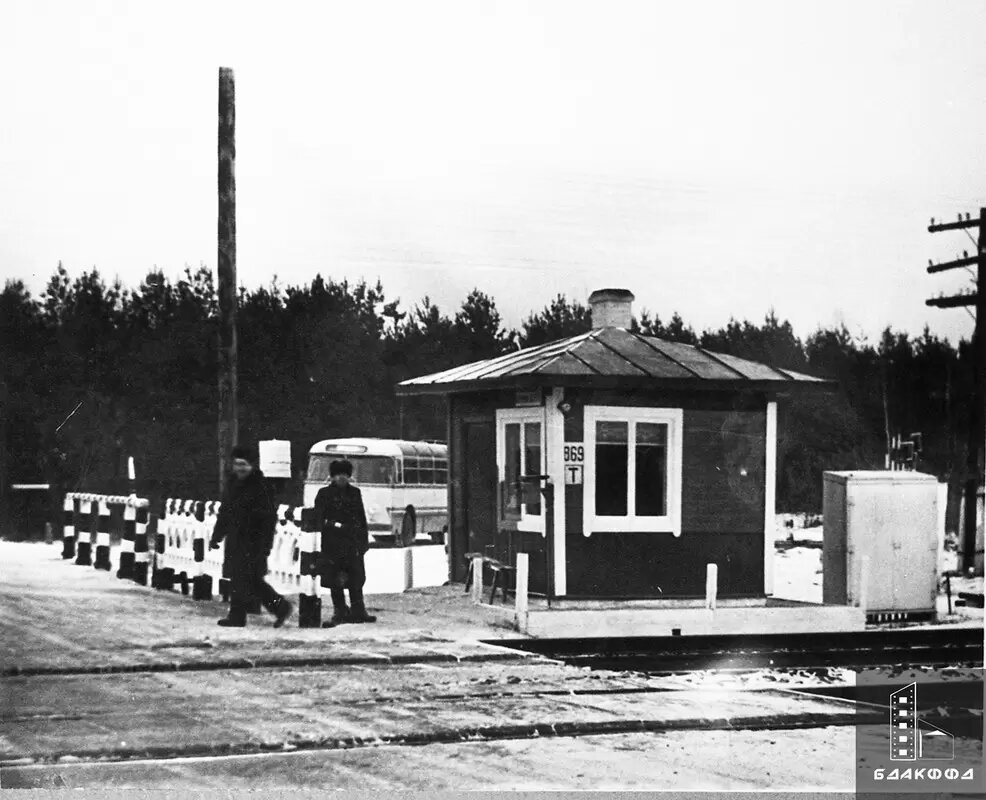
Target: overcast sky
(716, 158)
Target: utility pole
(977, 412)
(226, 271)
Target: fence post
(102, 559)
(711, 585)
(128, 541)
(83, 533)
(309, 603)
(201, 583)
(520, 590)
(141, 551)
(68, 526)
(477, 579)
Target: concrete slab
(648, 620)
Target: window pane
(426, 469)
(410, 469)
(651, 480)
(532, 463)
(612, 466)
(612, 432)
(441, 470)
(511, 439)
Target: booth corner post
(226, 271)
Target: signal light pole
(977, 413)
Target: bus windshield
(366, 469)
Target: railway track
(902, 647)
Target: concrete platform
(595, 619)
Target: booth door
(480, 461)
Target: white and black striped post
(187, 523)
(68, 526)
(201, 583)
(309, 602)
(141, 550)
(83, 532)
(102, 557)
(163, 577)
(128, 541)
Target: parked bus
(404, 485)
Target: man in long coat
(246, 521)
(341, 518)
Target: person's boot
(340, 613)
(358, 613)
(282, 612)
(236, 617)
(339, 617)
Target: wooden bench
(501, 574)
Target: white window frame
(671, 522)
(529, 523)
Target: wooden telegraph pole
(977, 413)
(226, 271)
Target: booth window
(520, 453)
(633, 470)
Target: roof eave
(530, 381)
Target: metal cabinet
(884, 524)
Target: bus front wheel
(409, 527)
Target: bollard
(68, 527)
(127, 543)
(309, 603)
(83, 532)
(408, 569)
(102, 559)
(477, 579)
(520, 589)
(141, 554)
(711, 585)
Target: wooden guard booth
(623, 464)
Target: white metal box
(880, 541)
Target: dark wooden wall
(722, 511)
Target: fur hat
(341, 467)
(246, 453)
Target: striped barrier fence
(87, 536)
(182, 558)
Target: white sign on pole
(574, 463)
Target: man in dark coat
(247, 520)
(341, 518)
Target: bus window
(441, 470)
(410, 470)
(426, 470)
(366, 469)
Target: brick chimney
(611, 308)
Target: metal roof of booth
(617, 358)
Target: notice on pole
(574, 463)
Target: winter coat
(341, 518)
(247, 520)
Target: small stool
(501, 575)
